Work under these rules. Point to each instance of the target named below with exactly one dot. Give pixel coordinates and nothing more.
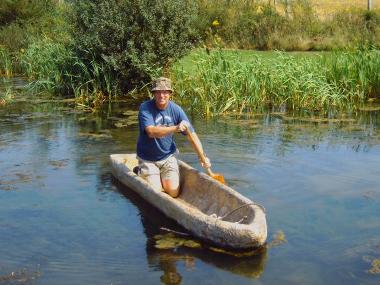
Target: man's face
(162, 98)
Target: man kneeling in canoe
(159, 119)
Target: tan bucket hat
(162, 83)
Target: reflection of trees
(167, 260)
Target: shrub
(21, 19)
(47, 63)
(134, 39)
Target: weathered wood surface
(208, 209)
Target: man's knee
(174, 192)
(171, 187)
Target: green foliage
(22, 19)
(6, 62)
(134, 39)
(225, 82)
(46, 63)
(22, 10)
(32, 21)
(356, 73)
(55, 68)
(290, 25)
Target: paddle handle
(198, 149)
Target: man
(159, 119)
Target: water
(65, 220)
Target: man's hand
(206, 163)
(183, 126)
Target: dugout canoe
(205, 207)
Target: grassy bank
(91, 52)
(223, 81)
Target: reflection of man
(159, 119)
(168, 261)
(171, 277)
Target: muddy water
(65, 220)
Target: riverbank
(218, 81)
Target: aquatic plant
(44, 62)
(375, 267)
(355, 72)
(169, 241)
(278, 239)
(6, 62)
(222, 81)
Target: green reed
(54, 68)
(6, 64)
(222, 81)
(356, 73)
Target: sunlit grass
(6, 65)
(225, 81)
(326, 7)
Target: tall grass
(52, 67)
(224, 82)
(356, 73)
(288, 25)
(6, 63)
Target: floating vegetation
(131, 119)
(89, 159)
(313, 119)
(241, 123)
(20, 276)
(131, 113)
(96, 136)
(170, 240)
(326, 120)
(375, 266)
(369, 108)
(6, 185)
(23, 177)
(234, 253)
(125, 123)
(18, 178)
(59, 163)
(278, 239)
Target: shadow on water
(167, 260)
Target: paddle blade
(219, 177)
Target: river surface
(65, 220)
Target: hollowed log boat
(208, 209)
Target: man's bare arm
(197, 146)
(162, 131)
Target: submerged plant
(375, 266)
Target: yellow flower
(215, 23)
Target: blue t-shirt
(154, 149)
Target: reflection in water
(167, 260)
(318, 179)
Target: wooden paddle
(202, 157)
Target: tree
(134, 39)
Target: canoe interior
(208, 195)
